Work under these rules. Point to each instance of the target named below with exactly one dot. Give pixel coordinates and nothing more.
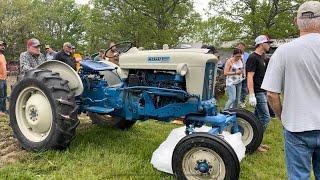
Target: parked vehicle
(156, 84)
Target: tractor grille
(208, 85)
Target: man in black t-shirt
(256, 68)
(65, 55)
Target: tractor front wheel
(43, 112)
(250, 128)
(204, 156)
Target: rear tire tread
(63, 129)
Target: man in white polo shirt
(294, 69)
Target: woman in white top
(234, 72)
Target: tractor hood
(165, 59)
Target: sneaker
(261, 149)
(264, 146)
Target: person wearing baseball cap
(50, 53)
(66, 56)
(3, 79)
(32, 57)
(256, 68)
(262, 39)
(294, 71)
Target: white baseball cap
(309, 9)
(262, 39)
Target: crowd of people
(244, 75)
(33, 57)
(292, 70)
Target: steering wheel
(121, 47)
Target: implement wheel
(118, 122)
(250, 128)
(43, 112)
(204, 156)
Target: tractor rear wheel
(43, 112)
(204, 156)
(113, 121)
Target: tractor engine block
(159, 79)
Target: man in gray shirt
(50, 53)
(294, 69)
(32, 57)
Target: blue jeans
(233, 96)
(244, 91)
(261, 110)
(3, 95)
(302, 149)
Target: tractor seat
(112, 78)
(95, 65)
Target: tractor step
(97, 109)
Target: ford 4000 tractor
(156, 84)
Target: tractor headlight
(182, 69)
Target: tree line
(146, 23)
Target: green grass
(106, 153)
(100, 152)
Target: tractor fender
(122, 72)
(66, 72)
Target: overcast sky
(199, 6)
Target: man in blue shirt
(244, 89)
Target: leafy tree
(147, 23)
(14, 16)
(218, 29)
(51, 21)
(57, 21)
(272, 17)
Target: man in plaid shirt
(32, 57)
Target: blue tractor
(157, 84)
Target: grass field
(100, 152)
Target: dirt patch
(10, 151)
(9, 148)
